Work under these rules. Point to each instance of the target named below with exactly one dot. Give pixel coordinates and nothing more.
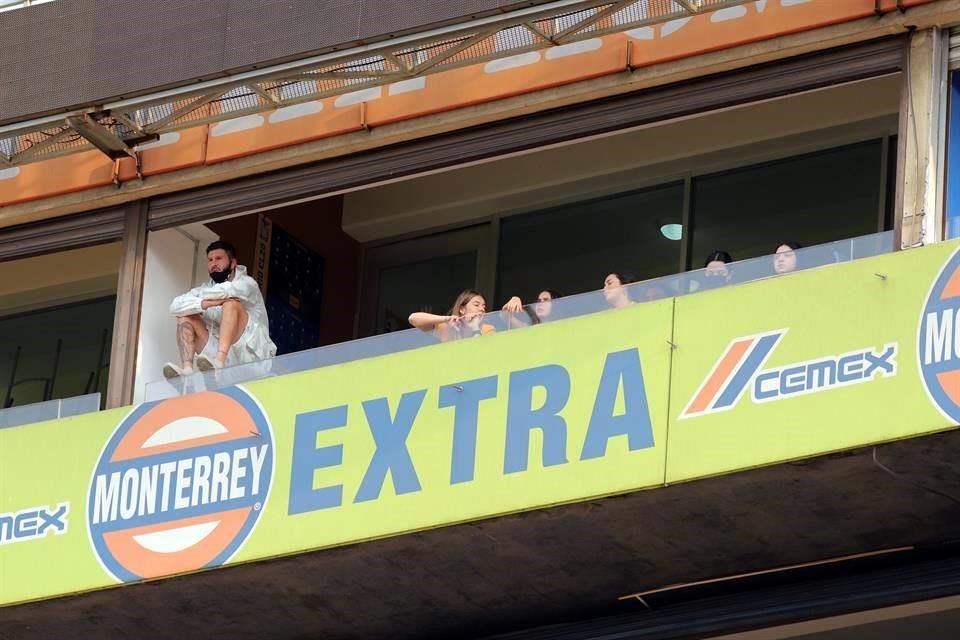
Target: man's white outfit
(254, 343)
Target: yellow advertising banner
(822, 360)
(376, 447)
(666, 391)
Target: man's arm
(188, 304)
(244, 289)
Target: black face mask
(220, 276)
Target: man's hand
(206, 304)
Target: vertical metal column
(884, 182)
(126, 322)
(951, 173)
(940, 126)
(686, 222)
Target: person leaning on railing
(716, 273)
(536, 313)
(465, 319)
(615, 290)
(785, 257)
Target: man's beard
(220, 276)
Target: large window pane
(56, 319)
(572, 248)
(56, 353)
(809, 199)
(430, 285)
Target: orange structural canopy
(444, 91)
(510, 76)
(282, 127)
(738, 25)
(57, 176)
(173, 151)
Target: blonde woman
(465, 319)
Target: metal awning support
(116, 128)
(690, 5)
(106, 138)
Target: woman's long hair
(465, 296)
(534, 318)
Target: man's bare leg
(232, 324)
(192, 337)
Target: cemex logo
(180, 485)
(938, 340)
(33, 523)
(740, 368)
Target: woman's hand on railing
(514, 305)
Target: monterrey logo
(740, 368)
(938, 340)
(180, 485)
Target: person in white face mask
(222, 322)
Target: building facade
(700, 463)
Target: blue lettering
(391, 454)
(55, 519)
(32, 523)
(521, 418)
(25, 526)
(307, 458)
(791, 381)
(825, 374)
(882, 362)
(465, 398)
(760, 389)
(821, 374)
(634, 422)
(850, 368)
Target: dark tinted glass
(56, 353)
(810, 199)
(431, 286)
(572, 248)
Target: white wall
(175, 262)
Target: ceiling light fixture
(672, 231)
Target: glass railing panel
(568, 307)
(293, 362)
(871, 245)
(49, 410)
(78, 405)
